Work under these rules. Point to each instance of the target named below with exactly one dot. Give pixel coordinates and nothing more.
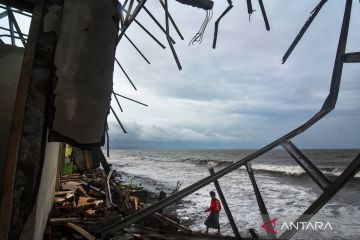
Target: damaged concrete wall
(84, 61)
(83, 80)
(10, 66)
(34, 131)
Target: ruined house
(48, 85)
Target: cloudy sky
(238, 95)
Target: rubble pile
(85, 203)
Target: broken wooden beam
(172, 222)
(64, 220)
(81, 231)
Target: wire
(200, 34)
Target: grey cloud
(240, 92)
(141, 135)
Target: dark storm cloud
(240, 94)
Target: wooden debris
(172, 222)
(90, 212)
(87, 201)
(82, 231)
(79, 209)
(135, 202)
(64, 220)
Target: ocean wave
(289, 170)
(207, 162)
(297, 170)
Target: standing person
(213, 219)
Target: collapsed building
(47, 98)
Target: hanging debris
(167, 18)
(250, 8)
(307, 24)
(267, 25)
(204, 4)
(218, 21)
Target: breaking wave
(289, 170)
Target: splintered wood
(80, 212)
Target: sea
(286, 189)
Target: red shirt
(215, 206)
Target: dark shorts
(213, 220)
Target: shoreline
(153, 189)
(286, 195)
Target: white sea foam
(283, 199)
(296, 170)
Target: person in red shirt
(213, 219)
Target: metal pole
(127, 76)
(307, 165)
(263, 211)
(167, 17)
(14, 22)
(217, 22)
(127, 22)
(339, 183)
(156, 22)
(353, 57)
(225, 205)
(136, 48)
(171, 19)
(263, 11)
(118, 120)
(150, 34)
(11, 27)
(130, 99)
(143, 28)
(117, 100)
(303, 29)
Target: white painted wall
(46, 189)
(35, 225)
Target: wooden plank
(87, 201)
(82, 231)
(64, 220)
(122, 196)
(17, 124)
(172, 222)
(62, 192)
